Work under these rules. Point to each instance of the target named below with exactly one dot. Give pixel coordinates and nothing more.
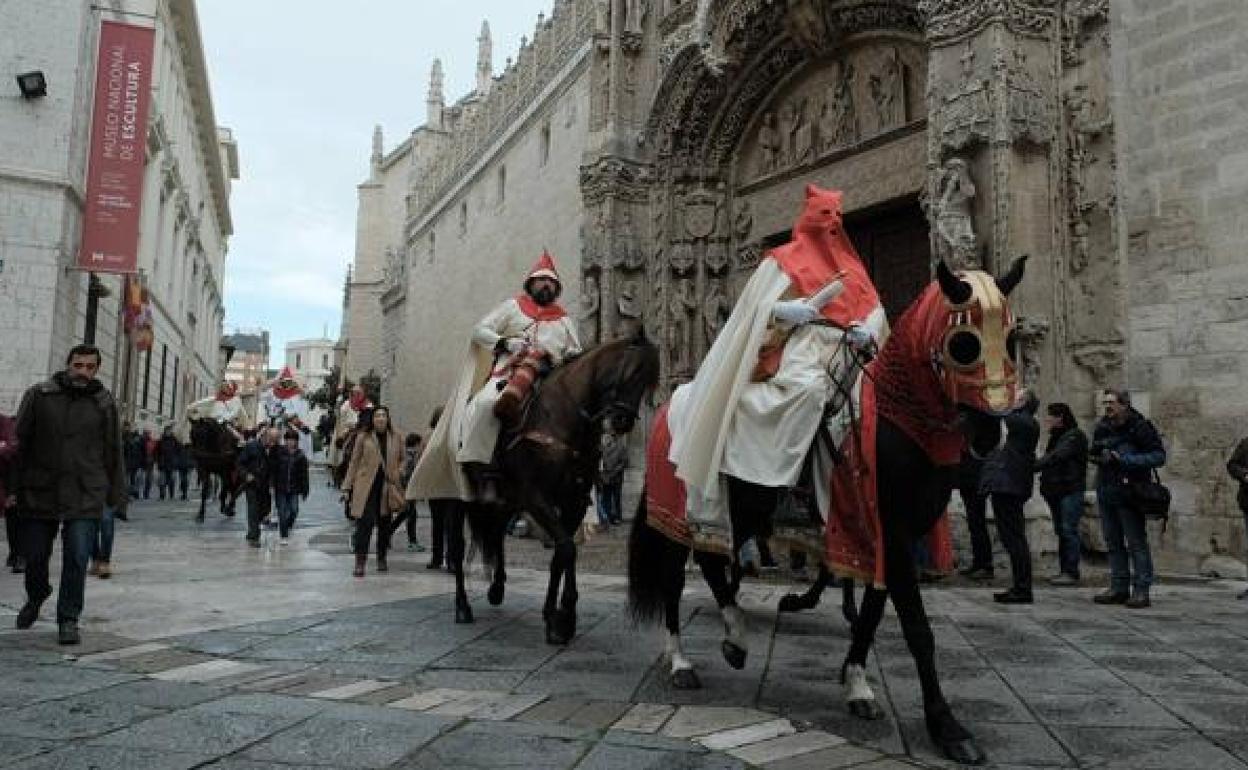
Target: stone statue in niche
(715, 310)
(805, 24)
(838, 120)
(681, 258)
(635, 15)
(591, 304)
(602, 17)
(801, 145)
(628, 254)
(887, 87)
(716, 257)
(1085, 128)
(955, 227)
(629, 299)
(1030, 332)
(743, 221)
(967, 114)
(769, 145)
(1080, 247)
(1029, 110)
(682, 307)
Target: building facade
(249, 365)
(185, 223)
(311, 361)
(660, 149)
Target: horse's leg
(567, 603)
(682, 674)
(497, 531)
(203, 503)
(810, 599)
(455, 556)
(716, 571)
(859, 696)
(945, 730)
(849, 609)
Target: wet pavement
(201, 652)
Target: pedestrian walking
(1126, 448)
(254, 466)
(970, 468)
(372, 485)
(134, 453)
(71, 466)
(440, 513)
(102, 546)
(150, 449)
(290, 482)
(167, 461)
(186, 462)
(411, 456)
(8, 502)
(610, 481)
(1063, 478)
(1007, 479)
(1237, 466)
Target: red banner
(123, 78)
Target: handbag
(1151, 498)
(395, 500)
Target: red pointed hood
(544, 268)
(287, 386)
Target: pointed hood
(544, 268)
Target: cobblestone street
(201, 652)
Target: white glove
(794, 312)
(859, 338)
(515, 345)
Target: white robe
(723, 423)
(468, 429)
(281, 413)
(230, 411)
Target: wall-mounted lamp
(33, 84)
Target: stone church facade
(660, 147)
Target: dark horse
(946, 372)
(215, 450)
(548, 466)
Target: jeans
(102, 548)
(411, 522)
(149, 473)
(609, 502)
(1012, 529)
(258, 506)
(77, 540)
(1066, 511)
(977, 523)
(1126, 537)
(166, 482)
(287, 504)
(184, 481)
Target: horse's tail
(650, 556)
(487, 529)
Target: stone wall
(1181, 102)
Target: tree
(371, 383)
(327, 394)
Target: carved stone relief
(966, 110)
(1030, 332)
(591, 305)
(715, 310)
(821, 114)
(951, 213)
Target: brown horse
(942, 381)
(549, 463)
(215, 450)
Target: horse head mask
(974, 357)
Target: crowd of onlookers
(164, 460)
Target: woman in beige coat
(372, 485)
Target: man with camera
(1126, 448)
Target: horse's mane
(588, 358)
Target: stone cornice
(950, 20)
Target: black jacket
(254, 459)
(1008, 469)
(70, 458)
(1237, 466)
(1137, 444)
(134, 450)
(289, 471)
(1064, 466)
(167, 453)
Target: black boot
(29, 612)
(67, 632)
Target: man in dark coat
(1237, 466)
(167, 461)
(1126, 449)
(255, 468)
(8, 479)
(71, 466)
(1007, 479)
(133, 445)
(290, 482)
(1063, 477)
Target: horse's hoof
(495, 594)
(964, 752)
(555, 637)
(794, 603)
(734, 654)
(866, 709)
(686, 679)
(565, 624)
(463, 614)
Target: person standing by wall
(133, 444)
(254, 466)
(71, 466)
(167, 461)
(411, 456)
(1237, 466)
(8, 502)
(1063, 477)
(611, 478)
(290, 482)
(1007, 479)
(440, 512)
(372, 484)
(1126, 448)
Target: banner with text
(123, 79)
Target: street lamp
(33, 84)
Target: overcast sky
(302, 83)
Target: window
(433, 243)
(298, 361)
(463, 218)
(544, 151)
(324, 360)
(173, 400)
(164, 363)
(502, 185)
(147, 379)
